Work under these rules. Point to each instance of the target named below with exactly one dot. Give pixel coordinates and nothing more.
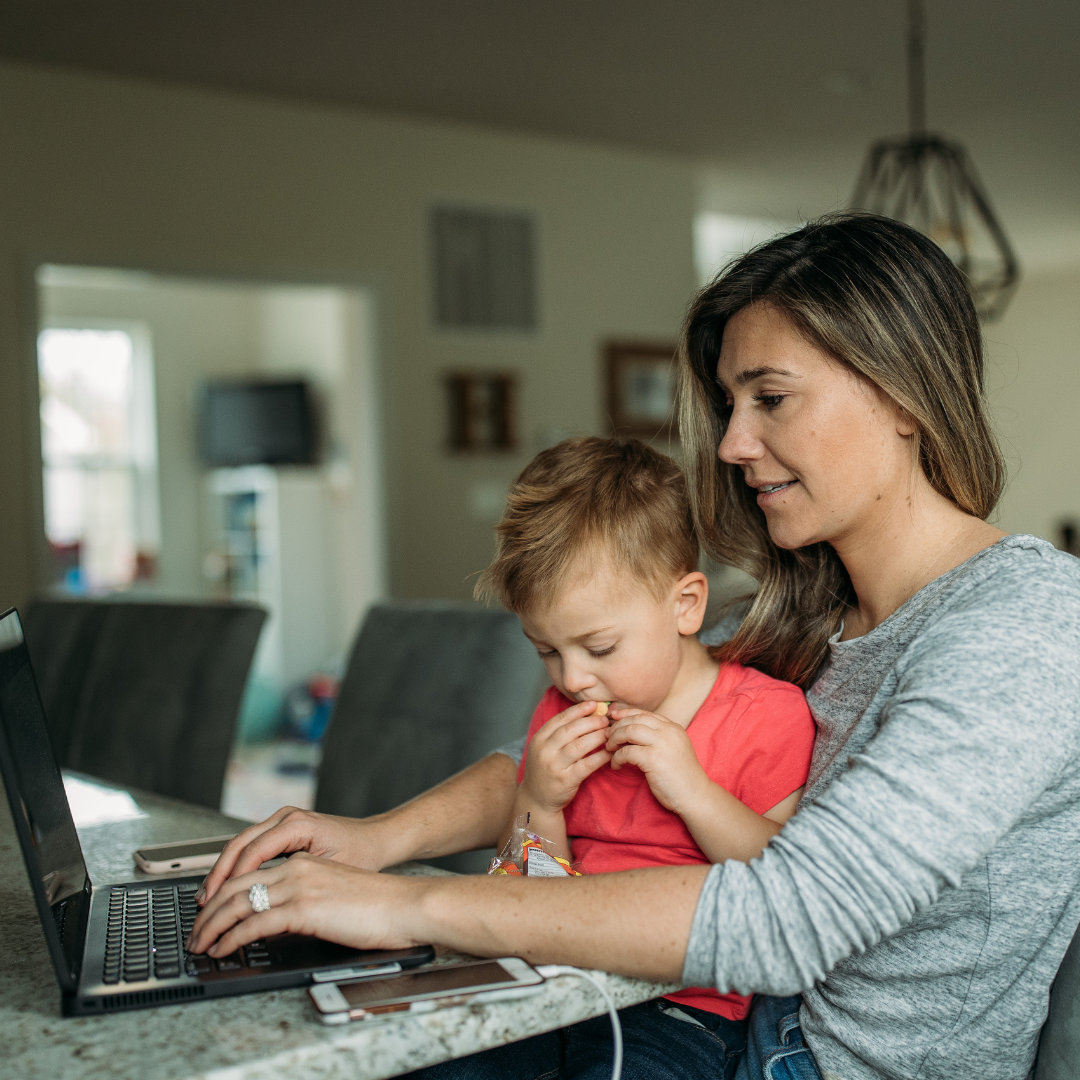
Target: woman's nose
(739, 443)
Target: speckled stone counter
(248, 1037)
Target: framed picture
(481, 412)
(641, 388)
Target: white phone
(198, 854)
(424, 989)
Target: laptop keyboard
(146, 931)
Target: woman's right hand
(353, 841)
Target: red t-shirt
(753, 736)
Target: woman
(922, 897)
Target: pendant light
(929, 183)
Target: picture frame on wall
(481, 411)
(641, 388)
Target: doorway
(197, 329)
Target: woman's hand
(307, 895)
(567, 749)
(662, 750)
(355, 842)
(601, 920)
(466, 811)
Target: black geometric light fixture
(929, 183)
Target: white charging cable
(549, 970)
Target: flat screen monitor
(256, 422)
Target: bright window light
(99, 455)
(718, 238)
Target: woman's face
(829, 455)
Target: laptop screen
(39, 806)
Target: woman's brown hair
(884, 300)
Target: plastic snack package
(524, 855)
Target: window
(718, 238)
(99, 454)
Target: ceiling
(778, 100)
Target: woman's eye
(770, 401)
(602, 652)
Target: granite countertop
(249, 1036)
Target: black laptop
(119, 947)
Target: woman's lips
(767, 493)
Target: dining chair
(144, 693)
(1059, 1040)
(428, 689)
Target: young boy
(693, 762)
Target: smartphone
(198, 854)
(424, 989)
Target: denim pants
(775, 1049)
(661, 1041)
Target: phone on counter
(198, 854)
(425, 989)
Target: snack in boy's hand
(602, 708)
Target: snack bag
(524, 855)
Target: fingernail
(200, 896)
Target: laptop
(119, 947)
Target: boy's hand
(662, 750)
(567, 749)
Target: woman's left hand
(662, 750)
(308, 895)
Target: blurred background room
(443, 236)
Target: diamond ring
(259, 897)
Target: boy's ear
(691, 599)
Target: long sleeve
(942, 812)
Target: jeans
(661, 1041)
(775, 1048)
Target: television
(257, 422)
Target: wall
(1034, 382)
(109, 172)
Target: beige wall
(1034, 383)
(104, 172)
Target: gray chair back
(428, 689)
(1059, 1041)
(144, 694)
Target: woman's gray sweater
(924, 894)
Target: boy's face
(606, 637)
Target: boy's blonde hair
(586, 498)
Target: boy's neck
(693, 684)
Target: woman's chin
(788, 539)
(785, 539)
